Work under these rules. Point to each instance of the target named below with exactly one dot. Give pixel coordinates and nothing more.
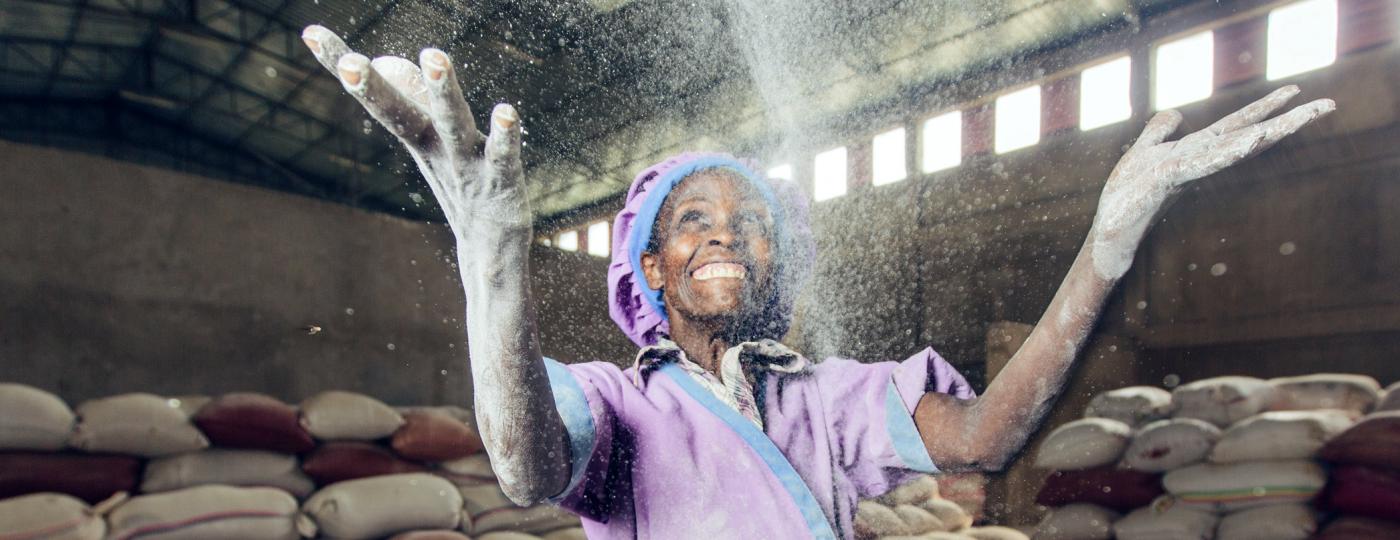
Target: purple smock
(667, 459)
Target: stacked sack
(1364, 487)
(915, 510)
(243, 465)
(1237, 458)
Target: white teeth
(720, 270)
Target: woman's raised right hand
(475, 177)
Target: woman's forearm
(987, 432)
(515, 411)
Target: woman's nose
(724, 235)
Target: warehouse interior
(192, 206)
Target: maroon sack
(1118, 489)
(254, 421)
(1373, 441)
(90, 477)
(1359, 528)
(1363, 491)
(434, 436)
(348, 460)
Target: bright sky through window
(598, 239)
(1103, 94)
(781, 171)
(829, 174)
(942, 147)
(888, 157)
(1302, 37)
(1018, 119)
(567, 241)
(1184, 71)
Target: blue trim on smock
(640, 234)
(572, 405)
(904, 435)
(763, 446)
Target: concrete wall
(116, 277)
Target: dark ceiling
(225, 88)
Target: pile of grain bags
(916, 510)
(1364, 487)
(246, 465)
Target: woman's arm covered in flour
(477, 181)
(987, 432)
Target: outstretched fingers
(503, 144)
(324, 45)
(397, 112)
(1161, 126)
(1254, 112)
(1242, 143)
(451, 115)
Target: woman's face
(714, 259)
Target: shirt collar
(751, 355)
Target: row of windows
(1301, 37)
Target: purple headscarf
(636, 307)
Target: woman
(718, 430)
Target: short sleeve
(869, 412)
(584, 395)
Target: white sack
(1078, 521)
(1235, 486)
(916, 491)
(336, 415)
(381, 506)
(207, 513)
(1390, 398)
(248, 468)
(1083, 444)
(1273, 522)
(1134, 405)
(1222, 400)
(994, 532)
(33, 419)
(1279, 435)
(137, 424)
(572, 533)
(1170, 444)
(49, 516)
(1355, 393)
(536, 519)
(1165, 520)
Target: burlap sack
(571, 533)
(877, 520)
(434, 436)
(1374, 441)
(344, 460)
(431, 535)
(1355, 393)
(1170, 444)
(471, 470)
(918, 520)
(1165, 520)
(1083, 444)
(137, 424)
(1222, 400)
(1134, 405)
(33, 419)
(206, 513)
(536, 519)
(479, 499)
(337, 415)
(1079, 521)
(90, 478)
(1235, 486)
(1279, 435)
(253, 421)
(1273, 522)
(248, 468)
(381, 506)
(952, 515)
(507, 535)
(1118, 489)
(49, 516)
(994, 532)
(1359, 528)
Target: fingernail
(312, 44)
(435, 65)
(505, 116)
(352, 69)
